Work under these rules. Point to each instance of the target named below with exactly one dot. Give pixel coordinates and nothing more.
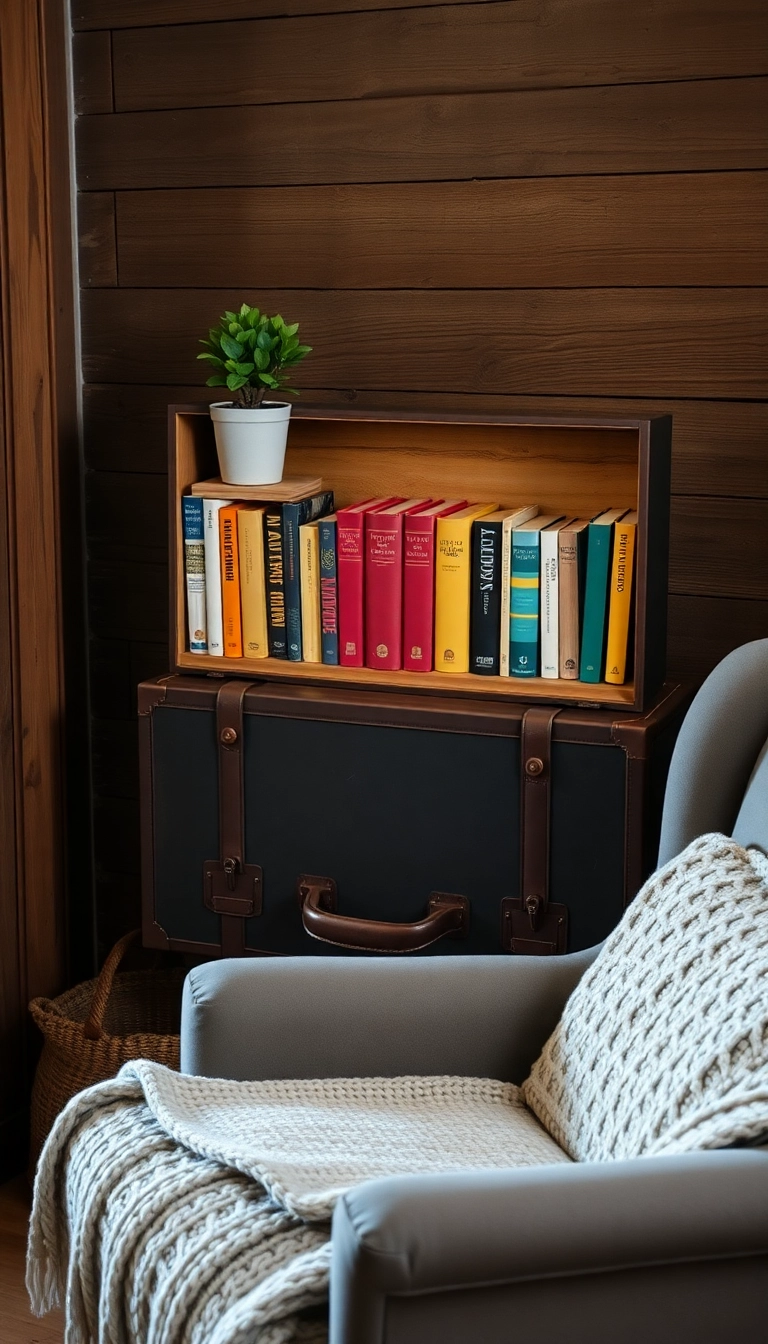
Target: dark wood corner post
(42, 649)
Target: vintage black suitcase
(297, 819)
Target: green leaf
(228, 317)
(216, 380)
(244, 310)
(291, 331)
(244, 368)
(262, 358)
(267, 379)
(277, 322)
(253, 317)
(230, 347)
(213, 359)
(265, 341)
(235, 380)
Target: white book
(213, 607)
(550, 601)
(513, 520)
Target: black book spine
(273, 557)
(485, 599)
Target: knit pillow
(663, 1046)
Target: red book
(384, 583)
(419, 584)
(350, 548)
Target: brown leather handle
(447, 916)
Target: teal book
(599, 548)
(525, 586)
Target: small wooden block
(290, 488)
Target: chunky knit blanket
(663, 1045)
(178, 1209)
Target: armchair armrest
(673, 1249)
(325, 1017)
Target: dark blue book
(329, 591)
(294, 515)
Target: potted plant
(252, 355)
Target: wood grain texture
(685, 126)
(588, 342)
(718, 547)
(436, 50)
(718, 448)
(573, 232)
(702, 630)
(96, 238)
(88, 14)
(92, 72)
(17, 1324)
(31, 447)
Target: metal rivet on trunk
(534, 766)
(228, 736)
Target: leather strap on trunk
(229, 731)
(535, 757)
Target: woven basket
(90, 1031)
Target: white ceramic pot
(251, 442)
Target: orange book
(230, 582)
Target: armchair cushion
(663, 1045)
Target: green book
(599, 546)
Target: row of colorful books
(418, 584)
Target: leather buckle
(532, 928)
(232, 888)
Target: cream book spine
(550, 602)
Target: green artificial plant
(251, 354)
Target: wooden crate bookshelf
(572, 466)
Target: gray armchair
(669, 1249)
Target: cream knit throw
(663, 1045)
(195, 1210)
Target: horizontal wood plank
(586, 342)
(92, 73)
(702, 630)
(87, 14)
(718, 547)
(436, 50)
(573, 232)
(718, 448)
(97, 245)
(631, 128)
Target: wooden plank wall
(524, 205)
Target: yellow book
(620, 599)
(309, 569)
(253, 588)
(230, 582)
(453, 576)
